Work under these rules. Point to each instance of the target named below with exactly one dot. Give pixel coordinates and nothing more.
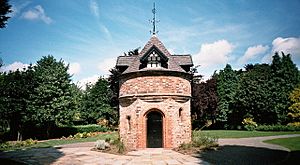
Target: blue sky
(90, 34)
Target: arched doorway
(154, 130)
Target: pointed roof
(175, 62)
(155, 41)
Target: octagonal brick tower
(155, 97)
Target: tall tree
(204, 100)
(15, 90)
(253, 97)
(114, 80)
(285, 77)
(5, 8)
(227, 83)
(51, 101)
(96, 103)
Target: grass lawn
(241, 134)
(292, 143)
(55, 142)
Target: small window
(180, 114)
(128, 120)
(154, 60)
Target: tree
(253, 97)
(114, 80)
(285, 77)
(5, 8)
(51, 100)
(204, 100)
(77, 95)
(15, 90)
(294, 109)
(227, 83)
(96, 103)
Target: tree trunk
(13, 130)
(49, 127)
(19, 138)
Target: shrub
(198, 142)
(17, 144)
(277, 128)
(186, 146)
(72, 130)
(203, 141)
(249, 124)
(294, 124)
(249, 127)
(120, 145)
(91, 128)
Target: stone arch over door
(154, 120)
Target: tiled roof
(125, 60)
(175, 62)
(155, 41)
(183, 59)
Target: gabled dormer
(154, 58)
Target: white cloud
(105, 30)
(14, 66)
(74, 68)
(289, 45)
(94, 8)
(252, 53)
(106, 65)
(90, 80)
(16, 8)
(37, 13)
(211, 54)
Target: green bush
(249, 127)
(80, 135)
(17, 144)
(277, 128)
(201, 141)
(91, 128)
(72, 130)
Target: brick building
(155, 96)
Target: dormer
(154, 58)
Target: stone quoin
(155, 97)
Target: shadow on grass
(232, 154)
(30, 156)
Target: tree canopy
(5, 8)
(260, 92)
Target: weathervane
(153, 21)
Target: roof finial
(153, 21)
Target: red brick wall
(155, 84)
(139, 95)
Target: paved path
(256, 142)
(80, 153)
(232, 151)
(251, 151)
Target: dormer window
(154, 60)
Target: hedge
(277, 128)
(72, 130)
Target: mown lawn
(55, 142)
(241, 134)
(292, 143)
